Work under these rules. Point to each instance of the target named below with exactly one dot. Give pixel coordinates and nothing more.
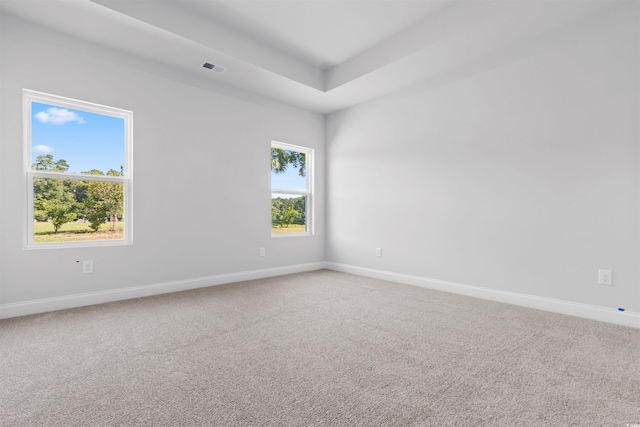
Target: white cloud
(42, 149)
(58, 116)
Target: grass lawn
(293, 228)
(74, 231)
(78, 231)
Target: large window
(78, 172)
(291, 190)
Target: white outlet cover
(87, 267)
(605, 277)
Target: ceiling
(323, 55)
(321, 33)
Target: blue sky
(288, 180)
(85, 140)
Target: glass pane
(288, 214)
(67, 210)
(70, 140)
(288, 170)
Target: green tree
(287, 211)
(40, 215)
(104, 200)
(275, 213)
(48, 188)
(60, 211)
(63, 200)
(299, 204)
(289, 215)
(53, 198)
(45, 162)
(281, 159)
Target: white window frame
(307, 192)
(30, 96)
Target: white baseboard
(603, 314)
(90, 298)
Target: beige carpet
(317, 348)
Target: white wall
(201, 174)
(521, 178)
(520, 175)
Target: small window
(291, 190)
(78, 172)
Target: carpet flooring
(320, 348)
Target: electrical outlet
(87, 267)
(378, 252)
(605, 277)
(262, 252)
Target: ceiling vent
(215, 68)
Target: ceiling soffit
(275, 49)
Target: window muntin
(291, 190)
(78, 172)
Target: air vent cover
(215, 68)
